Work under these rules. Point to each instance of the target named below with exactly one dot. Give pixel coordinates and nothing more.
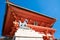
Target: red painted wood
(16, 13)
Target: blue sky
(47, 7)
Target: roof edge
(26, 9)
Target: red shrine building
(26, 24)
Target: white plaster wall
(28, 33)
(29, 38)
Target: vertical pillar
(14, 28)
(45, 37)
(52, 35)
